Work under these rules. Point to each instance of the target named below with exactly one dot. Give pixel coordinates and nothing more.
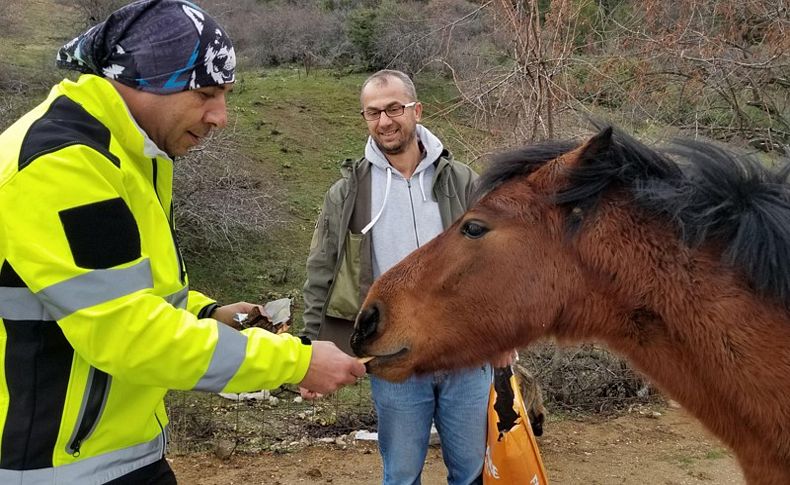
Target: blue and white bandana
(159, 46)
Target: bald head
(386, 76)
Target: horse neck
(687, 321)
(637, 272)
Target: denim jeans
(456, 402)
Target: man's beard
(395, 150)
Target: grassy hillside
(30, 34)
(33, 30)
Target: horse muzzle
(365, 328)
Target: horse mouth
(383, 358)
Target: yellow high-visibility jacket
(96, 318)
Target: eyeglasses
(372, 114)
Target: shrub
(286, 33)
(218, 203)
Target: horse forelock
(715, 196)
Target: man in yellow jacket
(97, 321)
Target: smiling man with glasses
(392, 112)
(401, 194)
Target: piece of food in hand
(276, 316)
(254, 319)
(365, 360)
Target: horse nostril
(368, 321)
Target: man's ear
(418, 111)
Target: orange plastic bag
(512, 455)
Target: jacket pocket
(92, 405)
(344, 299)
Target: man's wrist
(208, 310)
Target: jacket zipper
(181, 265)
(164, 435)
(413, 214)
(182, 270)
(96, 396)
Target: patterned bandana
(159, 46)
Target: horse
(678, 259)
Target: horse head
(499, 277)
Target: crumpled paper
(275, 317)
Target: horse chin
(391, 367)
(391, 373)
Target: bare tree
(731, 60)
(521, 98)
(714, 67)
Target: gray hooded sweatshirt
(405, 216)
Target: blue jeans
(456, 402)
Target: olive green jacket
(339, 267)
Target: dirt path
(668, 448)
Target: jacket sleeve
(321, 264)
(200, 305)
(70, 234)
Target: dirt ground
(662, 446)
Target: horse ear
(552, 176)
(596, 145)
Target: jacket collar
(99, 98)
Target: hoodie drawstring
(422, 190)
(386, 195)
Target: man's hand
(308, 394)
(330, 369)
(225, 313)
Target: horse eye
(473, 230)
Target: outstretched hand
(330, 369)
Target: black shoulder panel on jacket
(65, 123)
(9, 278)
(101, 235)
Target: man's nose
(384, 119)
(217, 112)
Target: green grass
(688, 461)
(35, 30)
(31, 32)
(716, 454)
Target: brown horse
(682, 269)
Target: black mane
(716, 195)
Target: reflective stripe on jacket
(96, 318)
